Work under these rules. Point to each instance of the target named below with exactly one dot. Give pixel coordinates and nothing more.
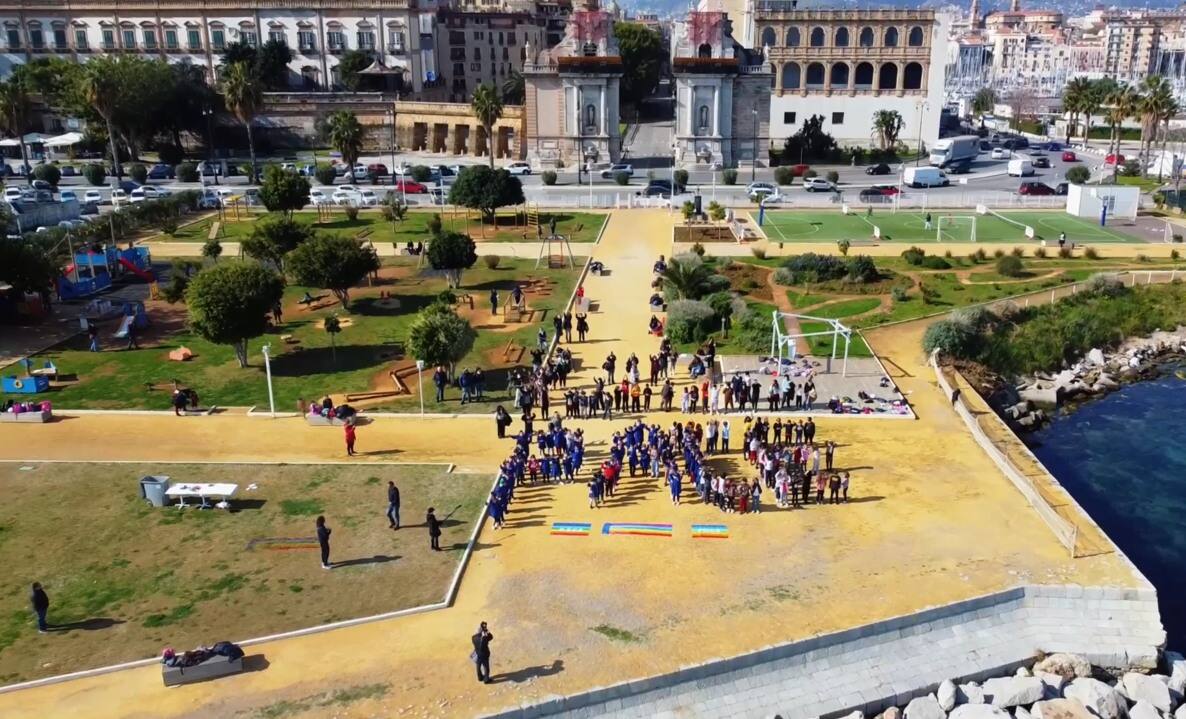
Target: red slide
(142, 274)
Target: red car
(377, 168)
(1114, 160)
(888, 190)
(410, 187)
(1069, 156)
(1036, 188)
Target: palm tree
(1093, 101)
(1124, 102)
(983, 103)
(243, 94)
(487, 107)
(514, 89)
(345, 135)
(685, 278)
(1157, 94)
(1169, 111)
(14, 114)
(1074, 98)
(99, 89)
(886, 126)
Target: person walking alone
(393, 505)
(323, 533)
(434, 529)
(350, 436)
(481, 653)
(40, 601)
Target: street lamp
(268, 371)
(753, 168)
(391, 120)
(208, 113)
(420, 378)
(921, 107)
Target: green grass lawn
(118, 379)
(846, 308)
(908, 226)
(821, 346)
(804, 299)
(580, 226)
(153, 577)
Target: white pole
(268, 371)
(847, 341)
(420, 378)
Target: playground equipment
(25, 385)
(133, 313)
(783, 344)
(555, 247)
(531, 225)
(93, 271)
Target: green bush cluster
(811, 268)
(689, 321)
(1010, 266)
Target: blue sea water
(1123, 458)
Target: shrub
(621, 178)
(1039, 252)
(187, 172)
(1176, 237)
(1131, 168)
(729, 177)
(325, 174)
(1066, 253)
(843, 246)
(935, 262)
(681, 178)
(979, 256)
(169, 225)
(716, 211)
(811, 267)
(1091, 253)
(1078, 174)
(862, 269)
(421, 173)
(784, 175)
(698, 249)
(94, 173)
(48, 173)
(948, 254)
(721, 304)
(1174, 254)
(1010, 266)
(833, 176)
(689, 320)
(1142, 258)
(434, 224)
(351, 213)
(138, 173)
(913, 256)
(446, 297)
(950, 337)
(548, 177)
(807, 175)
(1103, 285)
(899, 294)
(1017, 252)
(759, 252)
(491, 261)
(998, 253)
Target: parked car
(873, 194)
(92, 196)
(818, 184)
(118, 197)
(317, 196)
(985, 146)
(1069, 156)
(519, 168)
(377, 168)
(1040, 160)
(209, 200)
(68, 196)
(1114, 160)
(127, 185)
(614, 170)
(288, 166)
(69, 171)
(12, 194)
(42, 185)
(887, 190)
(410, 187)
(344, 197)
(880, 168)
(1036, 188)
(161, 172)
(307, 170)
(359, 172)
(1000, 153)
(367, 198)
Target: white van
(1020, 167)
(925, 177)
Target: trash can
(153, 488)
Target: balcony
(337, 49)
(307, 49)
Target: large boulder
(1104, 701)
(1175, 663)
(925, 708)
(1095, 357)
(946, 695)
(1060, 709)
(1143, 710)
(970, 693)
(1145, 688)
(1069, 666)
(1021, 713)
(1181, 713)
(978, 711)
(1041, 396)
(891, 713)
(1013, 691)
(1054, 683)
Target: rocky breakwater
(1025, 404)
(1058, 686)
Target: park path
(572, 613)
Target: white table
(203, 492)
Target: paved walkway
(931, 522)
(522, 250)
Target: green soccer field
(909, 226)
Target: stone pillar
(716, 110)
(828, 78)
(901, 79)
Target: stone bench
(212, 668)
(35, 417)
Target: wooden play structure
(557, 249)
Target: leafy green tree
(230, 303)
(273, 238)
(27, 266)
(686, 278)
(283, 190)
(983, 103)
(887, 125)
(94, 173)
(421, 173)
(212, 249)
(15, 108)
(138, 172)
(269, 61)
(349, 66)
(1078, 174)
(332, 262)
(810, 142)
(439, 337)
(345, 135)
(243, 94)
(487, 108)
(48, 173)
(187, 172)
(642, 54)
(1074, 95)
(485, 189)
(325, 173)
(332, 327)
(452, 253)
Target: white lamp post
(268, 371)
(420, 378)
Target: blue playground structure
(25, 385)
(133, 312)
(92, 272)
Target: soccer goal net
(955, 228)
(1023, 228)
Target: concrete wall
(887, 663)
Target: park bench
(38, 417)
(214, 667)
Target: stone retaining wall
(887, 663)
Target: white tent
(66, 140)
(33, 138)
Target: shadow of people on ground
(521, 675)
(377, 559)
(88, 625)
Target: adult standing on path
(393, 505)
(350, 437)
(434, 529)
(611, 361)
(494, 302)
(323, 533)
(481, 655)
(582, 326)
(40, 601)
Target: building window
(866, 38)
(171, 39)
(36, 38)
(336, 39)
(108, 39)
(475, 67)
(891, 37)
(59, 38)
(150, 39)
(80, 40)
(915, 37)
(842, 37)
(506, 55)
(14, 39)
(793, 37)
(817, 37)
(366, 40)
(458, 68)
(129, 39)
(790, 76)
(193, 38)
(306, 41)
(511, 38)
(456, 37)
(768, 37)
(276, 36)
(478, 34)
(218, 39)
(248, 37)
(837, 118)
(477, 53)
(788, 118)
(395, 38)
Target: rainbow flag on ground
(642, 529)
(710, 531)
(571, 529)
